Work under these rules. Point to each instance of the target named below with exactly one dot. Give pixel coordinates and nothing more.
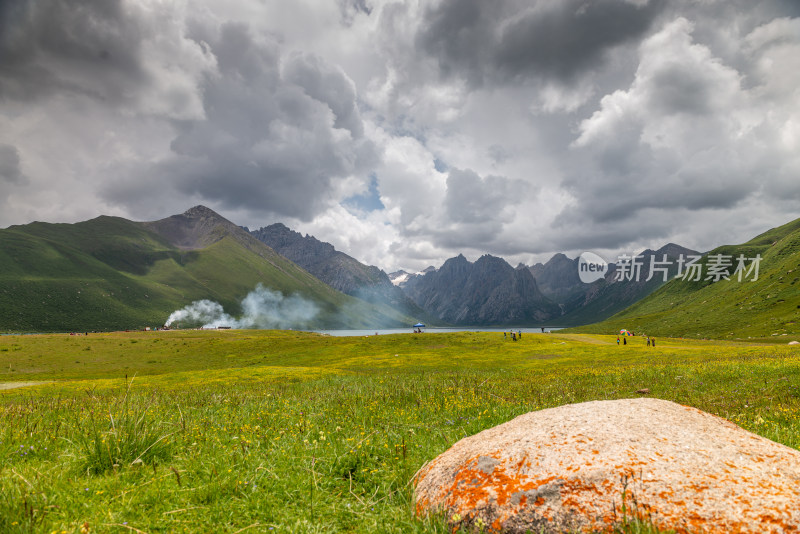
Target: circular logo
(591, 267)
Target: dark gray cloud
(326, 83)
(278, 131)
(10, 171)
(574, 231)
(570, 37)
(679, 88)
(83, 46)
(475, 200)
(509, 41)
(129, 57)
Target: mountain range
(463, 293)
(337, 269)
(486, 292)
(589, 303)
(112, 273)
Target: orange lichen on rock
(674, 466)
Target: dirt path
(585, 338)
(14, 385)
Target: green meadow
(280, 431)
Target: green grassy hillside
(110, 273)
(766, 307)
(605, 300)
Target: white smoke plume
(262, 308)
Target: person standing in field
(653, 341)
(617, 340)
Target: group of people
(513, 335)
(651, 341)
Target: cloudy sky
(405, 132)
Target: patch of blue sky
(366, 202)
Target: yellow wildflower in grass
(343, 396)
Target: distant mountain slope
(731, 308)
(336, 268)
(558, 278)
(607, 296)
(111, 273)
(487, 292)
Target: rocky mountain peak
(196, 228)
(673, 251)
(335, 268)
(560, 259)
(201, 211)
(454, 266)
(299, 249)
(486, 292)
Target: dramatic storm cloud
(509, 41)
(279, 129)
(406, 132)
(9, 165)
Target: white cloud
(685, 135)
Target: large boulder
(582, 467)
